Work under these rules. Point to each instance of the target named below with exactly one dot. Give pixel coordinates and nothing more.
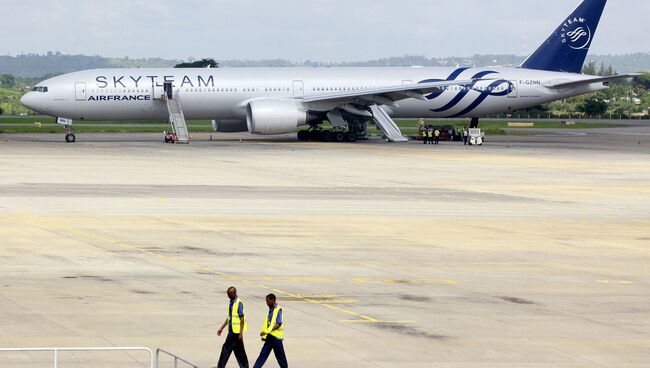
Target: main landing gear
(473, 123)
(350, 129)
(323, 135)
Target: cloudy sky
(323, 30)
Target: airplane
(269, 101)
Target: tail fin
(566, 49)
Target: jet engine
(267, 117)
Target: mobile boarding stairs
(176, 116)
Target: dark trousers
(233, 343)
(274, 344)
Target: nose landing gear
(67, 126)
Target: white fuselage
(129, 94)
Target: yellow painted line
(417, 281)
(372, 321)
(322, 302)
(616, 282)
(350, 312)
(403, 281)
(330, 307)
(330, 296)
(301, 280)
(338, 301)
(124, 245)
(112, 241)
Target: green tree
(606, 71)
(593, 105)
(7, 80)
(203, 63)
(590, 68)
(643, 81)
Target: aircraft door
(80, 91)
(515, 90)
(169, 90)
(298, 89)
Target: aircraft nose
(30, 101)
(26, 100)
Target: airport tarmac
(526, 252)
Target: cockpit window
(39, 89)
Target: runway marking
(372, 321)
(418, 281)
(301, 280)
(360, 280)
(89, 234)
(617, 282)
(119, 243)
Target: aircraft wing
(382, 95)
(582, 82)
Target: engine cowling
(267, 117)
(230, 126)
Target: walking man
(273, 335)
(430, 135)
(423, 131)
(436, 134)
(236, 323)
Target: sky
(299, 30)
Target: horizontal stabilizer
(582, 82)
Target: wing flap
(386, 95)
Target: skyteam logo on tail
(576, 33)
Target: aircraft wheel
(351, 137)
(339, 137)
(316, 135)
(303, 135)
(70, 138)
(328, 136)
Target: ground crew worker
(423, 130)
(465, 135)
(430, 135)
(236, 323)
(273, 335)
(436, 135)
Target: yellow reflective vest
(235, 321)
(268, 327)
